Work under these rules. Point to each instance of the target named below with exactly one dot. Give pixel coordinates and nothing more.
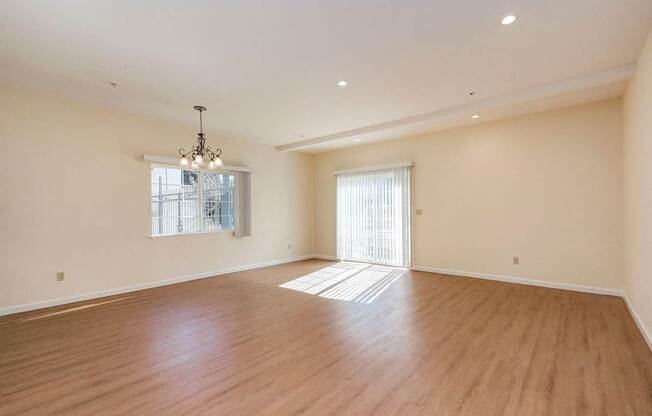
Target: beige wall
(78, 201)
(638, 187)
(545, 187)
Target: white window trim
(154, 237)
(167, 162)
(176, 166)
(380, 167)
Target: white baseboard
(324, 257)
(639, 322)
(523, 281)
(110, 292)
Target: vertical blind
(373, 216)
(242, 204)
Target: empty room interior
(326, 207)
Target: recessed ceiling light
(475, 116)
(342, 83)
(356, 140)
(508, 20)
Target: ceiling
(268, 70)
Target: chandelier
(196, 156)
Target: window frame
(200, 192)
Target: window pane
(179, 205)
(218, 201)
(175, 203)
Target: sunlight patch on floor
(78, 308)
(347, 281)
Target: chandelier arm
(215, 154)
(182, 152)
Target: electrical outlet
(60, 276)
(419, 211)
(517, 260)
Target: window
(191, 201)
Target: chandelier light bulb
(184, 161)
(194, 165)
(218, 161)
(199, 160)
(211, 164)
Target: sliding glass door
(373, 216)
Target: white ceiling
(455, 119)
(267, 70)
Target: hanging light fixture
(195, 158)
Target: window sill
(155, 237)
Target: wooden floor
(241, 345)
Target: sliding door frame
(410, 166)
